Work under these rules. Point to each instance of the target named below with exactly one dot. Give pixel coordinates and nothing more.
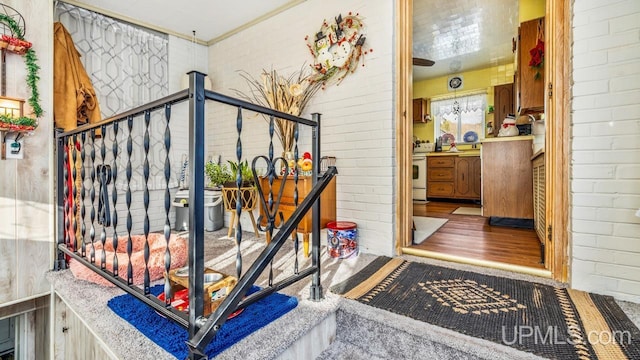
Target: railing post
(316, 285)
(60, 263)
(196, 204)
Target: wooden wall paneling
(404, 124)
(33, 261)
(42, 328)
(73, 340)
(8, 261)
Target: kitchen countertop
(508, 138)
(460, 153)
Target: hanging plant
(31, 62)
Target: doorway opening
(508, 201)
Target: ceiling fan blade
(423, 62)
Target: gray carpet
(363, 331)
(268, 343)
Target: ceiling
(462, 35)
(459, 35)
(211, 19)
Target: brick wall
(357, 116)
(605, 161)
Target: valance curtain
(465, 104)
(128, 65)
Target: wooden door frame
(557, 136)
(557, 112)
(404, 123)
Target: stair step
(364, 332)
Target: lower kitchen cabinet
(507, 184)
(454, 177)
(468, 177)
(539, 197)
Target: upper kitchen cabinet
(530, 80)
(420, 110)
(503, 103)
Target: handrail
(211, 95)
(201, 329)
(177, 97)
(213, 323)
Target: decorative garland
(31, 63)
(337, 48)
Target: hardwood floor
(472, 237)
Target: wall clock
(454, 83)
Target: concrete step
(364, 332)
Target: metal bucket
(342, 239)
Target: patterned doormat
(545, 320)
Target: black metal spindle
(167, 205)
(83, 211)
(145, 168)
(296, 242)
(61, 183)
(128, 199)
(103, 234)
(114, 197)
(271, 170)
(316, 285)
(65, 173)
(239, 196)
(74, 192)
(92, 196)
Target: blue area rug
(172, 337)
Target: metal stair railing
(77, 235)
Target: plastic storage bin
(342, 239)
(213, 210)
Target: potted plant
(245, 173)
(248, 190)
(218, 174)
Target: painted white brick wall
(358, 126)
(605, 161)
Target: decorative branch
(286, 94)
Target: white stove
(419, 175)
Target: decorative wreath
(337, 48)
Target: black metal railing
(76, 235)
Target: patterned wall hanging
(337, 48)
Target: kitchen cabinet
(454, 177)
(420, 110)
(503, 105)
(530, 90)
(507, 180)
(287, 205)
(539, 196)
(468, 177)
